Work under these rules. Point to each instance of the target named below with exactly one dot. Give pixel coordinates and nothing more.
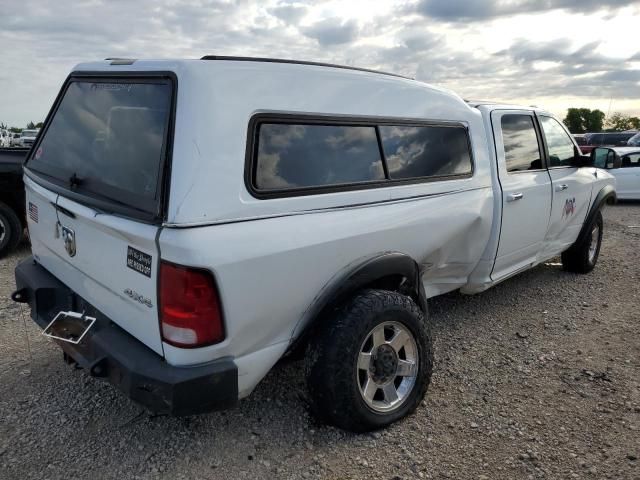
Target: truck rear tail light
(190, 311)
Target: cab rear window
(108, 138)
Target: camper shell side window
(292, 155)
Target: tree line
(30, 126)
(583, 120)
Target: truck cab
(545, 187)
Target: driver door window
(560, 146)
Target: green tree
(31, 126)
(582, 120)
(39, 125)
(619, 122)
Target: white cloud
(332, 32)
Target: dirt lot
(536, 378)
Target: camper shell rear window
(107, 141)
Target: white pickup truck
(28, 137)
(192, 222)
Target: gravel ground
(538, 377)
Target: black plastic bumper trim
(110, 353)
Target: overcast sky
(551, 53)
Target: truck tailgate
(110, 261)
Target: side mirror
(602, 157)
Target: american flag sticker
(33, 212)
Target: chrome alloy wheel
(387, 366)
(593, 245)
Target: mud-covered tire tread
(576, 258)
(330, 360)
(12, 222)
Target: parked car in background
(315, 219)
(14, 140)
(605, 139)
(628, 175)
(579, 138)
(12, 216)
(28, 137)
(635, 140)
(5, 138)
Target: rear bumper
(110, 353)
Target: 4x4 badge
(69, 238)
(138, 298)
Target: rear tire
(370, 365)
(582, 257)
(10, 230)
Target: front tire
(10, 230)
(371, 364)
(582, 257)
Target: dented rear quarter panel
(270, 271)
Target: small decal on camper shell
(139, 261)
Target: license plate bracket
(69, 327)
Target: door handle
(561, 187)
(512, 197)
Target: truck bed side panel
(285, 262)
